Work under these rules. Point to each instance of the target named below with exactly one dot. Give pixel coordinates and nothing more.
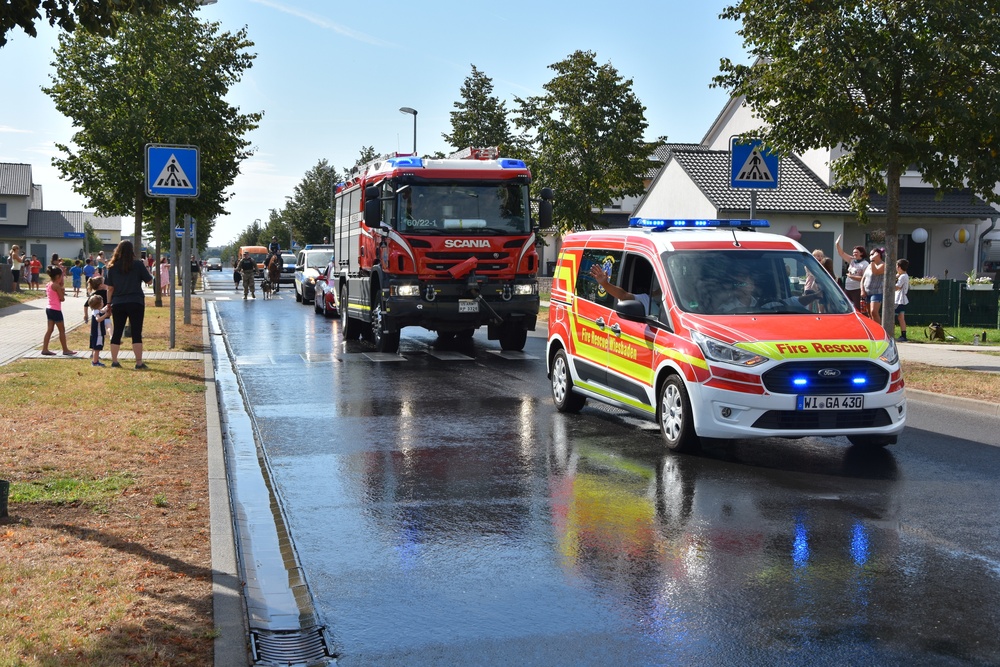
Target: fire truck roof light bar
(406, 161)
(510, 163)
(659, 224)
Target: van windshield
(762, 282)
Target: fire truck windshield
(448, 208)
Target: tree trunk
(893, 174)
(140, 203)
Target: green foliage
(158, 80)
(101, 17)
(309, 212)
(886, 83)
(93, 242)
(587, 139)
(481, 119)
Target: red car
(326, 298)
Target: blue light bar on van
(662, 224)
(406, 161)
(510, 163)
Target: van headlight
(716, 350)
(891, 354)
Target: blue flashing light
(860, 380)
(511, 163)
(406, 161)
(800, 382)
(661, 224)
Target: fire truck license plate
(831, 403)
(468, 306)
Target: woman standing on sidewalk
(16, 262)
(124, 277)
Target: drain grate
(306, 647)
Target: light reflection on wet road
(444, 513)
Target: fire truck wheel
(513, 340)
(562, 386)
(675, 416)
(384, 341)
(465, 334)
(350, 328)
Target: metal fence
(951, 303)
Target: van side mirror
(630, 309)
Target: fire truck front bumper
(435, 309)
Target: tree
(481, 119)
(159, 80)
(888, 83)
(100, 17)
(587, 139)
(309, 211)
(92, 242)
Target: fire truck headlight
(525, 289)
(716, 350)
(405, 290)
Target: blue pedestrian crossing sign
(753, 166)
(172, 171)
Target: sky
(330, 79)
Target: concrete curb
(230, 645)
(971, 404)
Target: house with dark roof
(694, 182)
(23, 221)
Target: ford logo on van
(828, 372)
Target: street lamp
(291, 241)
(414, 112)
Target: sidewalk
(22, 328)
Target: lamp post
(291, 241)
(414, 112)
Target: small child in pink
(56, 291)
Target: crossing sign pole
(172, 171)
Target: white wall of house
(674, 192)
(17, 211)
(735, 119)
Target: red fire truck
(445, 244)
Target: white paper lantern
(919, 235)
(963, 235)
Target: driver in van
(742, 298)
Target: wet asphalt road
(445, 514)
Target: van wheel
(562, 386)
(350, 328)
(675, 416)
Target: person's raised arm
(840, 251)
(597, 273)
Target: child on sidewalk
(902, 296)
(56, 291)
(98, 329)
(96, 286)
(77, 272)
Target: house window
(3, 210)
